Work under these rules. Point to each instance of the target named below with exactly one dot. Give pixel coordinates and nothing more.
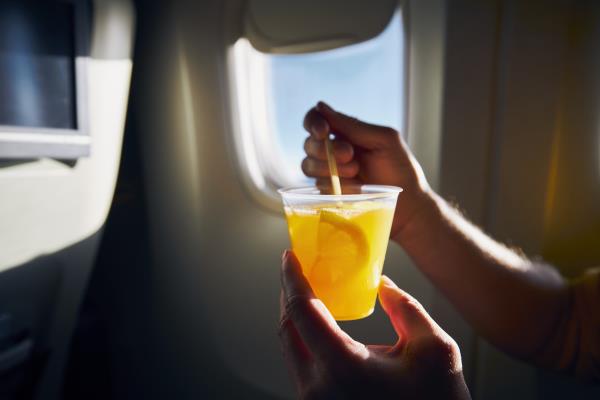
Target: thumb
(357, 132)
(409, 318)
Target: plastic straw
(335, 178)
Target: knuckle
(389, 131)
(308, 117)
(446, 347)
(406, 305)
(295, 305)
(347, 149)
(306, 167)
(305, 123)
(349, 170)
(315, 124)
(440, 350)
(284, 323)
(307, 144)
(344, 153)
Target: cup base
(354, 317)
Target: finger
(357, 132)
(319, 168)
(409, 318)
(342, 150)
(349, 185)
(318, 330)
(316, 124)
(295, 353)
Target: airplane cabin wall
(572, 218)
(571, 236)
(520, 148)
(483, 73)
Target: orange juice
(341, 247)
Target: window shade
(276, 26)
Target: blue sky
(363, 80)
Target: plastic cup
(340, 241)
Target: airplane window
(364, 80)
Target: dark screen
(37, 64)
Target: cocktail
(340, 241)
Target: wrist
(419, 229)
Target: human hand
(365, 154)
(326, 363)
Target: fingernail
(387, 282)
(321, 106)
(285, 255)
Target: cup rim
(313, 193)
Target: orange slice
(342, 249)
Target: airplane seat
(64, 80)
(117, 302)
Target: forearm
(509, 300)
